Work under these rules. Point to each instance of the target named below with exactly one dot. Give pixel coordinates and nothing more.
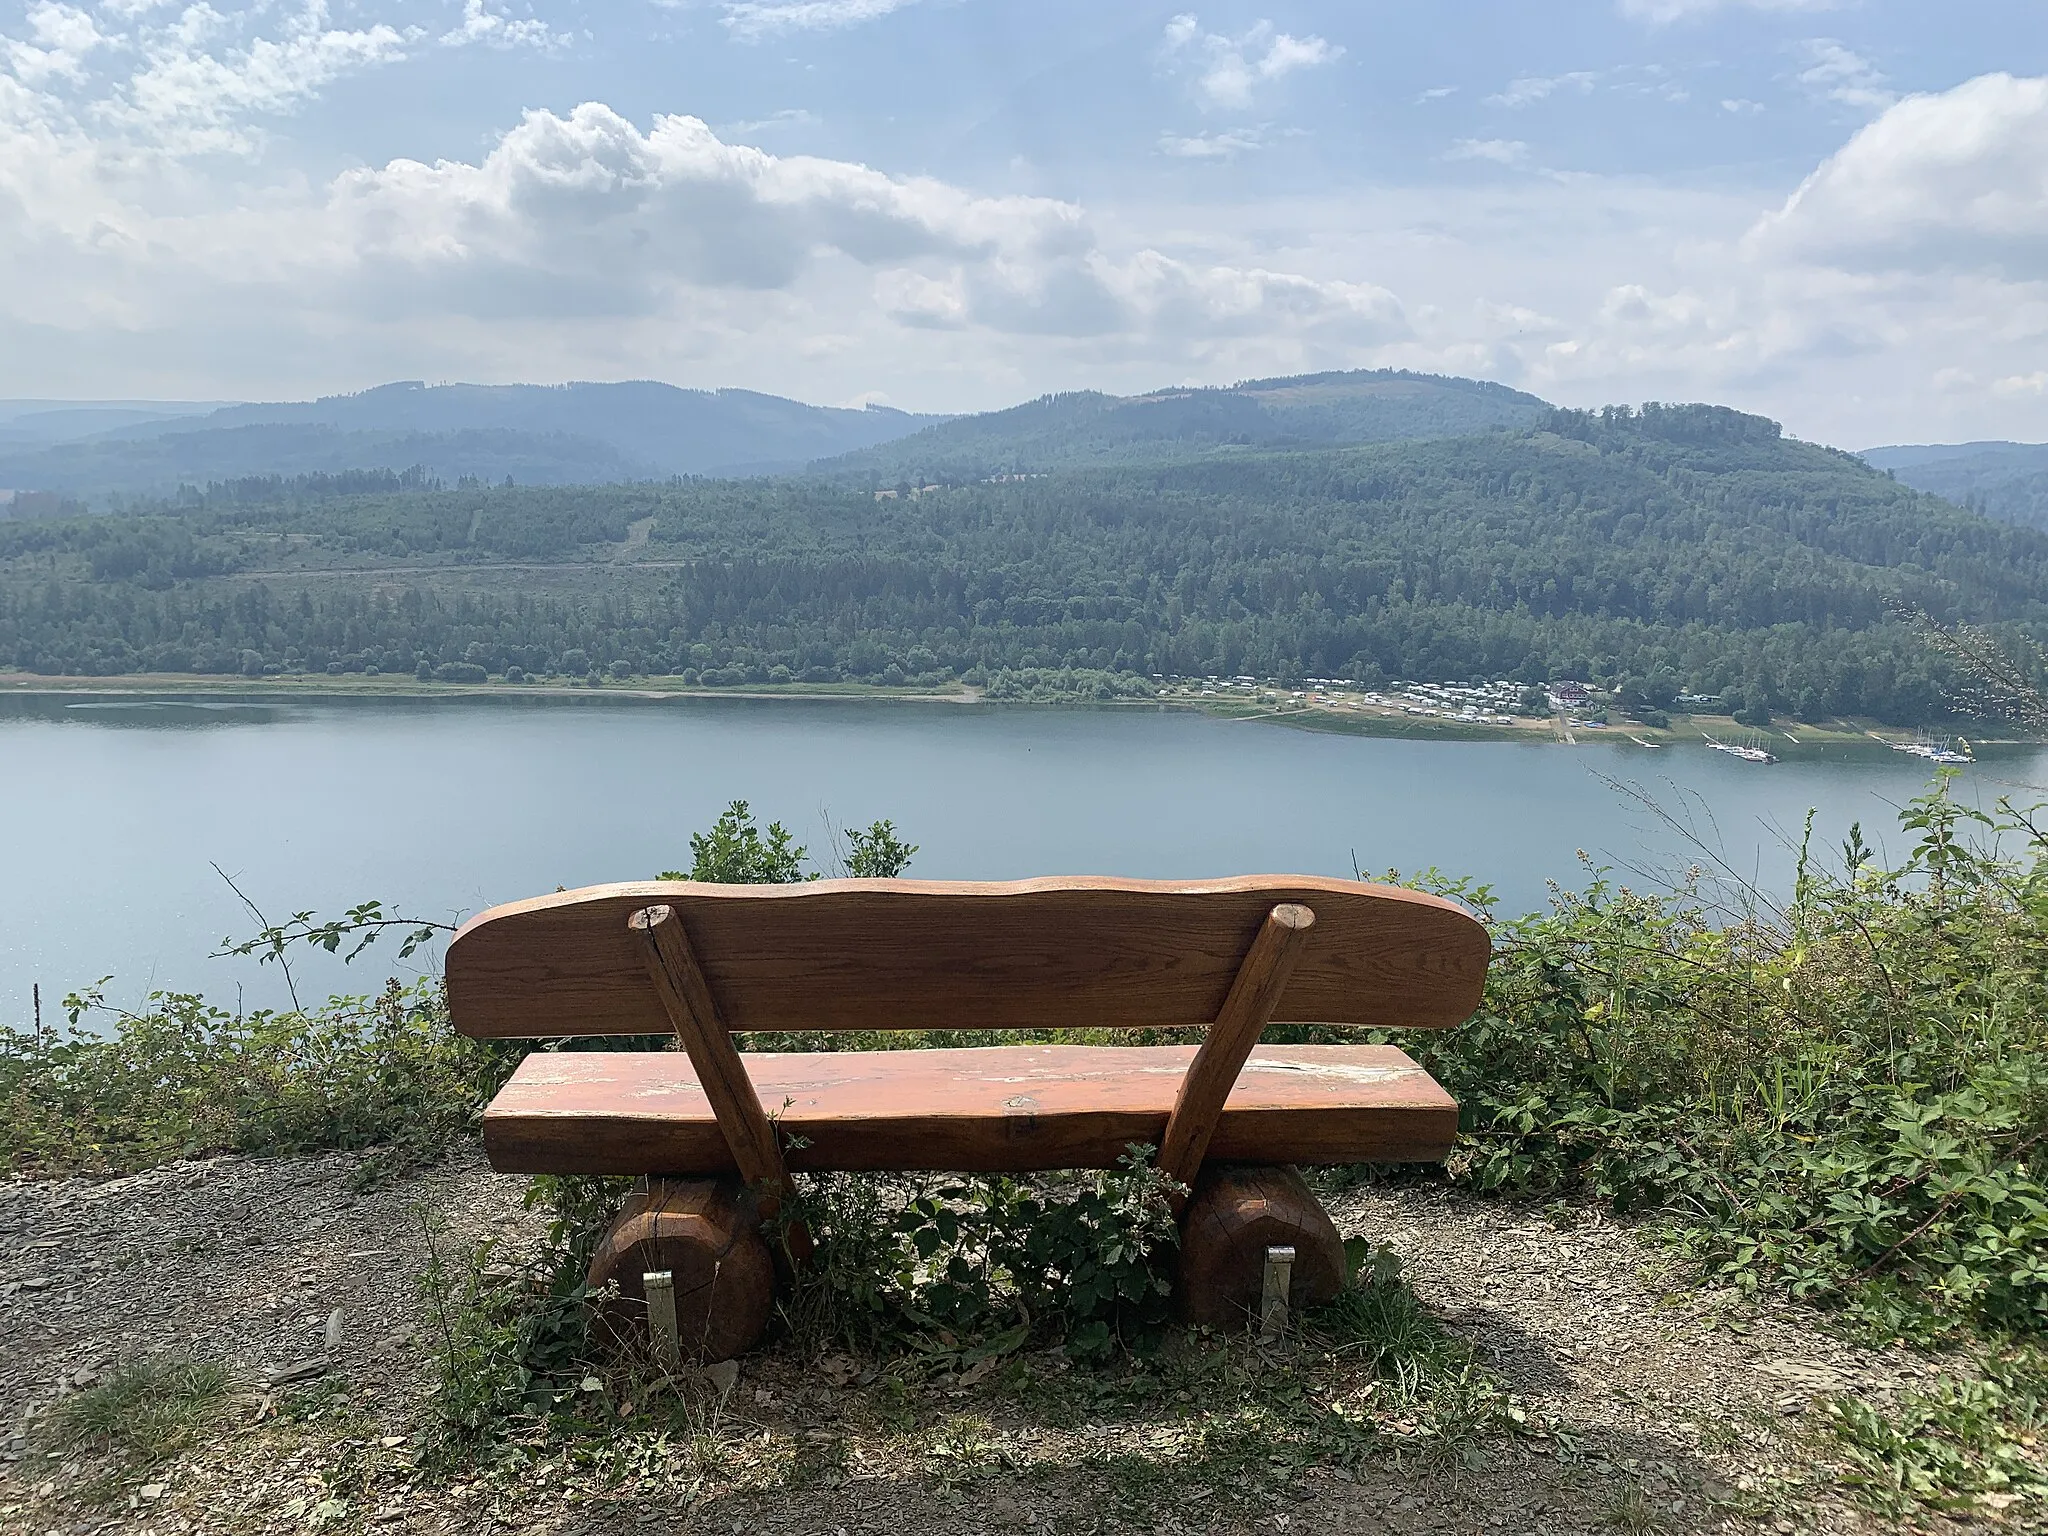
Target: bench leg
(1235, 1214)
(703, 1236)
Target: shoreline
(1684, 729)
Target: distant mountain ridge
(1067, 431)
(2008, 481)
(573, 434)
(538, 434)
(39, 423)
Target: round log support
(704, 1235)
(1234, 1215)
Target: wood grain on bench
(1003, 1109)
(914, 954)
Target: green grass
(145, 1410)
(1379, 1319)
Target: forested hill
(1072, 430)
(2008, 481)
(1689, 548)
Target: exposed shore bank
(1683, 729)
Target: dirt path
(1674, 1409)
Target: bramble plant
(984, 1265)
(1841, 1096)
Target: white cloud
(1498, 151)
(788, 117)
(586, 224)
(482, 25)
(1532, 88)
(755, 19)
(592, 209)
(1173, 307)
(1228, 71)
(1841, 75)
(1901, 293)
(1663, 12)
(193, 82)
(1741, 106)
(135, 84)
(1957, 180)
(1226, 145)
(590, 199)
(194, 101)
(62, 37)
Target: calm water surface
(116, 809)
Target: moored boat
(1747, 754)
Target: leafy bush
(737, 852)
(182, 1078)
(987, 1263)
(1843, 1096)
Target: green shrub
(182, 1078)
(1843, 1096)
(737, 852)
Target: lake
(117, 807)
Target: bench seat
(995, 1109)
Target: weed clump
(512, 1338)
(1965, 1445)
(145, 1410)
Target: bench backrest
(928, 954)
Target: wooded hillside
(1692, 548)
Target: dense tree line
(1676, 549)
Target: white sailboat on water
(1743, 752)
(1935, 750)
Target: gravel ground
(1674, 1409)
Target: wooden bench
(717, 1133)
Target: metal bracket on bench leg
(660, 1285)
(1273, 1299)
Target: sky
(1832, 213)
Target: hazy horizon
(1834, 214)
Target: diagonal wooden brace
(1261, 978)
(686, 998)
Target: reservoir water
(116, 809)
